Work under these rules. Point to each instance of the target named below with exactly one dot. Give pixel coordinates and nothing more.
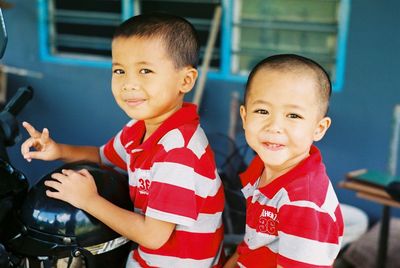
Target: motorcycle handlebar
(19, 100)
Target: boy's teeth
(273, 146)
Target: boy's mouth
(134, 102)
(273, 146)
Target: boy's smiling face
(145, 82)
(282, 118)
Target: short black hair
(291, 62)
(179, 36)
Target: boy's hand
(74, 187)
(46, 148)
(232, 261)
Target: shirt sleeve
(113, 152)
(307, 235)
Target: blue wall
(76, 104)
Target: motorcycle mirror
(3, 35)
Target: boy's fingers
(32, 142)
(32, 155)
(67, 172)
(26, 145)
(45, 135)
(84, 172)
(31, 130)
(59, 177)
(52, 194)
(52, 184)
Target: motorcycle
(38, 231)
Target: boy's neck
(150, 129)
(269, 173)
(153, 124)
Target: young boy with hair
(177, 194)
(293, 218)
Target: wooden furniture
(367, 190)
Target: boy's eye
(145, 71)
(261, 111)
(118, 71)
(294, 116)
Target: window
(80, 32)
(308, 27)
(199, 13)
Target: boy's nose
(130, 82)
(128, 87)
(273, 125)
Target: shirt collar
(256, 167)
(186, 114)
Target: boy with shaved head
(293, 218)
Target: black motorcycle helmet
(49, 232)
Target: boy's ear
(243, 115)
(321, 128)
(189, 75)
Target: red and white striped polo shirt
(173, 178)
(294, 221)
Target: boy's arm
(79, 189)
(70, 153)
(146, 231)
(47, 149)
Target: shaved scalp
(177, 34)
(296, 63)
